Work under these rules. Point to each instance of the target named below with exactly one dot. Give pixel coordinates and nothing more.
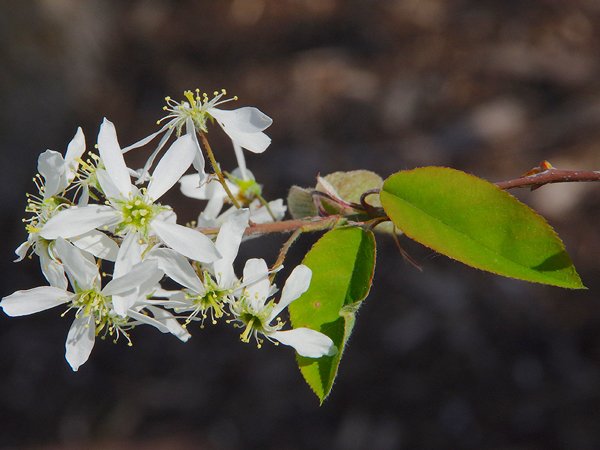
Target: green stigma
(211, 302)
(137, 211)
(93, 303)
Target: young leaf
(342, 263)
(475, 222)
(351, 185)
(300, 203)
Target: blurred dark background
(450, 358)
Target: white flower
(244, 190)
(56, 174)
(244, 126)
(213, 191)
(208, 294)
(95, 306)
(256, 315)
(131, 210)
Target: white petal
(167, 215)
(247, 119)
(255, 142)
(296, 285)
(172, 166)
(307, 342)
(260, 214)
(22, 303)
(213, 208)
(80, 341)
(177, 267)
(52, 270)
(81, 270)
(228, 243)
(98, 244)
(110, 153)
(78, 220)
(132, 280)
(85, 196)
(164, 321)
(190, 186)
(168, 320)
(188, 242)
(127, 289)
(145, 140)
(198, 163)
(123, 302)
(107, 185)
(143, 318)
(164, 293)
(74, 151)
(129, 254)
(51, 166)
(241, 160)
(163, 140)
(256, 279)
(21, 251)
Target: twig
(217, 169)
(287, 226)
(550, 176)
(544, 174)
(283, 252)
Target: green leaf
(475, 222)
(342, 262)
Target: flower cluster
(106, 244)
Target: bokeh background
(444, 359)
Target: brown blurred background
(450, 358)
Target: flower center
(248, 189)
(255, 321)
(211, 302)
(196, 107)
(138, 211)
(93, 303)
(42, 209)
(86, 173)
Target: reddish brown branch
(545, 174)
(550, 176)
(286, 226)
